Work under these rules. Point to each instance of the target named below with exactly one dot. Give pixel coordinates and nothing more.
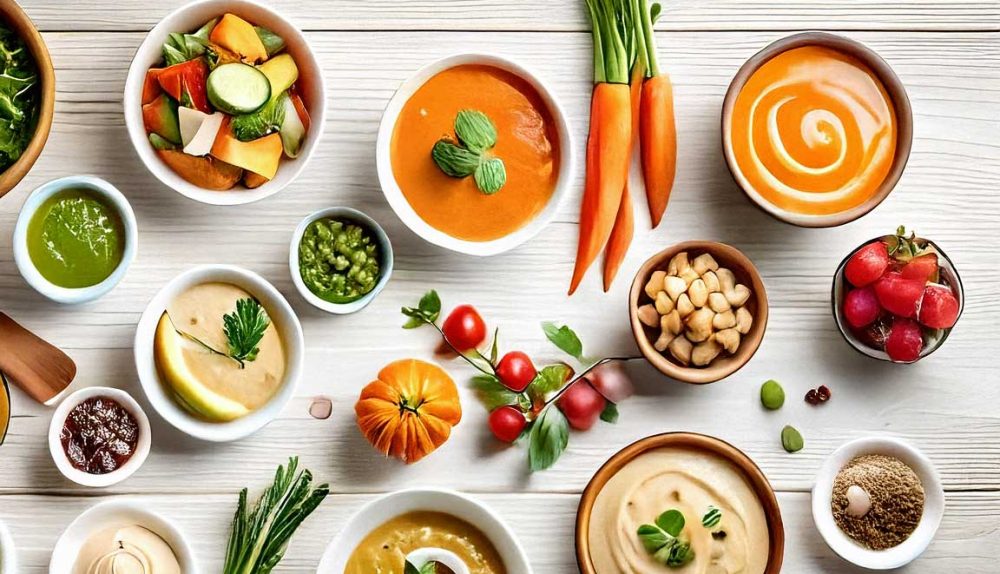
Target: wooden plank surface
(946, 405)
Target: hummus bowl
(686, 472)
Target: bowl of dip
(530, 137)
(219, 352)
(75, 238)
(8, 556)
(816, 129)
(340, 259)
(731, 519)
(424, 524)
(123, 436)
(122, 531)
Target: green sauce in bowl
(75, 239)
(338, 260)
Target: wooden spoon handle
(41, 370)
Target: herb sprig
(244, 328)
(663, 539)
(469, 155)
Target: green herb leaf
(494, 348)
(428, 568)
(652, 537)
(610, 413)
(475, 130)
(244, 328)
(453, 160)
(548, 439)
(675, 554)
(548, 380)
(490, 176)
(772, 396)
(712, 517)
(791, 439)
(427, 311)
(492, 393)
(671, 521)
(564, 338)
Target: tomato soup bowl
(405, 211)
(188, 18)
(894, 89)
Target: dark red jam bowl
(99, 435)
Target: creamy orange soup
(526, 142)
(814, 131)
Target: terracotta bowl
(893, 86)
(754, 476)
(724, 365)
(13, 16)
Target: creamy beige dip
(126, 550)
(690, 481)
(199, 312)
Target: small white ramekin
(99, 480)
(378, 236)
(117, 513)
(398, 202)
(8, 554)
(281, 315)
(22, 258)
(843, 545)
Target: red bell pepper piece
(185, 82)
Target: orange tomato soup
(527, 143)
(813, 131)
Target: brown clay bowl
(724, 365)
(12, 15)
(893, 86)
(711, 445)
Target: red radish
(464, 328)
(939, 308)
(905, 341)
(861, 307)
(516, 371)
(899, 296)
(924, 267)
(506, 423)
(611, 380)
(581, 404)
(867, 264)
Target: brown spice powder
(897, 500)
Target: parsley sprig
(244, 328)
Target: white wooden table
(948, 55)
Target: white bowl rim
(66, 550)
(131, 465)
(133, 107)
(282, 316)
(844, 546)
(380, 236)
(335, 550)
(22, 258)
(8, 553)
(403, 209)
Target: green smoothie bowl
(75, 238)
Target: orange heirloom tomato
(409, 410)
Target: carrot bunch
(628, 101)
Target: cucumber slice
(238, 88)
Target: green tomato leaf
(476, 130)
(430, 305)
(548, 380)
(652, 537)
(548, 439)
(490, 176)
(453, 160)
(494, 349)
(491, 393)
(671, 521)
(564, 338)
(610, 413)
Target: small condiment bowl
(841, 287)
(385, 508)
(378, 235)
(716, 447)
(115, 513)
(14, 16)
(188, 18)
(725, 364)
(131, 465)
(893, 87)
(843, 545)
(282, 317)
(8, 554)
(22, 257)
(399, 203)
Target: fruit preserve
(99, 435)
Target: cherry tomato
(582, 405)
(507, 423)
(611, 380)
(464, 328)
(516, 371)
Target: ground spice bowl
(844, 546)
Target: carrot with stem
(610, 134)
(657, 131)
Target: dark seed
(811, 397)
(823, 392)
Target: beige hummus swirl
(689, 481)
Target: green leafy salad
(19, 97)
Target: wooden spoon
(39, 368)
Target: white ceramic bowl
(99, 480)
(844, 546)
(8, 555)
(22, 258)
(186, 19)
(281, 315)
(111, 514)
(381, 510)
(378, 235)
(403, 208)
